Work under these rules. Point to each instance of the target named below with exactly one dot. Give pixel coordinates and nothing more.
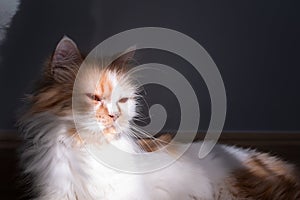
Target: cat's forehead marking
(107, 83)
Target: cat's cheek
(131, 110)
(94, 108)
(127, 115)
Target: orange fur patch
(103, 116)
(104, 90)
(105, 86)
(266, 177)
(56, 99)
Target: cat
(53, 152)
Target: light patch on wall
(7, 10)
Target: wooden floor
(285, 145)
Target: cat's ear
(124, 59)
(65, 58)
(127, 55)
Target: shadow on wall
(32, 36)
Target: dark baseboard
(283, 144)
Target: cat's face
(102, 98)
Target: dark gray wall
(255, 45)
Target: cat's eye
(123, 100)
(93, 97)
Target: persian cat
(54, 154)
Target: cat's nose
(114, 116)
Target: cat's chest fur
(87, 178)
